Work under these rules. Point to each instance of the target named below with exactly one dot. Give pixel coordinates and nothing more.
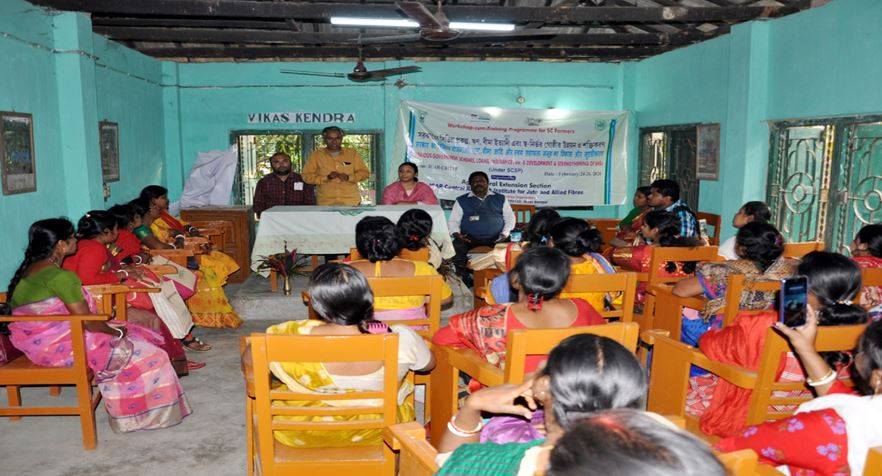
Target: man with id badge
(478, 218)
(281, 187)
(335, 171)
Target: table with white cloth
(319, 230)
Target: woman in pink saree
(136, 380)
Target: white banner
(533, 156)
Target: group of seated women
(137, 362)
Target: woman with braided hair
(539, 276)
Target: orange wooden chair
(671, 361)
(657, 276)
(523, 214)
(421, 254)
(483, 277)
(714, 221)
(215, 230)
(21, 372)
(873, 466)
(623, 284)
(608, 227)
(798, 250)
(669, 308)
(520, 343)
(278, 459)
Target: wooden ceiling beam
(106, 21)
(568, 14)
(255, 52)
(211, 35)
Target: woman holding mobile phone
(833, 282)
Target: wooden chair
(21, 372)
(798, 250)
(669, 308)
(421, 254)
(179, 257)
(483, 277)
(279, 459)
(624, 284)
(873, 465)
(520, 344)
(714, 221)
(608, 227)
(657, 276)
(671, 361)
(523, 214)
(215, 230)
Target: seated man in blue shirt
(478, 218)
(665, 195)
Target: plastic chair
(671, 361)
(278, 459)
(520, 344)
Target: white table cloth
(327, 230)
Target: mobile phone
(793, 304)
(702, 228)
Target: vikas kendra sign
(300, 117)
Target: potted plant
(286, 264)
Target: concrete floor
(210, 441)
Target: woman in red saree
(833, 282)
(866, 251)
(93, 264)
(660, 228)
(538, 276)
(137, 382)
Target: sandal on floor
(196, 345)
(193, 365)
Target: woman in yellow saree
(209, 306)
(342, 299)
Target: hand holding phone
(793, 302)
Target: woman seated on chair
(379, 243)
(581, 244)
(833, 282)
(832, 433)
(662, 229)
(631, 442)
(127, 247)
(163, 312)
(632, 224)
(415, 226)
(342, 300)
(408, 189)
(538, 277)
(866, 251)
(209, 306)
(584, 374)
(536, 234)
(136, 380)
(760, 247)
(750, 212)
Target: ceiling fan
(435, 27)
(360, 73)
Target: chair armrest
(56, 318)
(106, 289)
(247, 365)
(161, 269)
(169, 253)
(394, 433)
(474, 365)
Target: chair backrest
(798, 250)
(266, 349)
(665, 254)
(871, 277)
(523, 213)
(829, 339)
(624, 283)
(608, 227)
(421, 254)
(417, 456)
(714, 221)
(735, 287)
(873, 465)
(428, 286)
(524, 342)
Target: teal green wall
(69, 79)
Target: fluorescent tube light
(478, 26)
(402, 23)
(390, 22)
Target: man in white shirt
(478, 218)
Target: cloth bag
(184, 280)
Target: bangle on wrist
(138, 258)
(125, 273)
(830, 377)
(451, 425)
